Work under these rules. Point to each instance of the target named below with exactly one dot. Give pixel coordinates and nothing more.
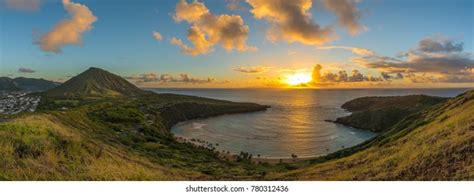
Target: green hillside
(436, 144)
(96, 82)
(379, 114)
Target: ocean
(295, 123)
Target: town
(14, 103)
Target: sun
(298, 79)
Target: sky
(243, 43)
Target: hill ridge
(25, 84)
(380, 113)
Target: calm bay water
(294, 123)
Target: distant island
(98, 126)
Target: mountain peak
(96, 82)
(95, 69)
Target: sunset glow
(298, 79)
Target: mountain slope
(437, 144)
(25, 84)
(32, 84)
(96, 82)
(8, 85)
(379, 114)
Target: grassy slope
(438, 144)
(41, 147)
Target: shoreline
(226, 155)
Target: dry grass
(38, 147)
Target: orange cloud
(69, 31)
(252, 69)
(291, 20)
(208, 29)
(157, 36)
(198, 38)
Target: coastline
(233, 157)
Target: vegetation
(379, 114)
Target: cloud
(428, 64)
(356, 76)
(347, 13)
(167, 78)
(207, 29)
(26, 70)
(157, 35)
(146, 77)
(186, 78)
(23, 5)
(198, 38)
(432, 61)
(317, 72)
(342, 76)
(362, 51)
(291, 20)
(355, 50)
(439, 44)
(69, 31)
(235, 5)
(386, 76)
(252, 69)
